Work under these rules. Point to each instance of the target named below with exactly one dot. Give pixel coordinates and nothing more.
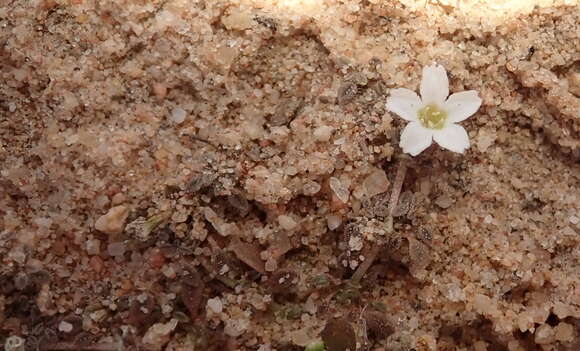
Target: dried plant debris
(225, 175)
(191, 294)
(377, 323)
(286, 111)
(419, 254)
(201, 181)
(398, 185)
(142, 228)
(363, 267)
(282, 282)
(405, 205)
(347, 92)
(240, 204)
(377, 206)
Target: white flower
(433, 116)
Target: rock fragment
(158, 335)
(215, 305)
(178, 115)
(339, 335)
(376, 183)
(339, 189)
(544, 335)
(333, 221)
(323, 133)
(249, 254)
(113, 222)
(286, 112)
(222, 227)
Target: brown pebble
(97, 264)
(59, 247)
(157, 259)
(160, 90)
(336, 205)
(113, 222)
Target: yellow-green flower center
(432, 117)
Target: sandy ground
(223, 175)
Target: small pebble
(160, 90)
(158, 335)
(156, 259)
(341, 191)
(21, 281)
(97, 264)
(113, 222)
(14, 343)
(444, 201)
(287, 222)
(118, 199)
(323, 133)
(544, 335)
(65, 327)
(116, 249)
(311, 188)
(93, 247)
(333, 221)
(178, 115)
(488, 219)
(215, 305)
(564, 332)
(376, 183)
(168, 271)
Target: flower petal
(405, 103)
(434, 85)
(452, 137)
(461, 106)
(415, 138)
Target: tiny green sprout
(289, 311)
(432, 117)
(348, 294)
(293, 312)
(155, 221)
(315, 346)
(319, 281)
(379, 306)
